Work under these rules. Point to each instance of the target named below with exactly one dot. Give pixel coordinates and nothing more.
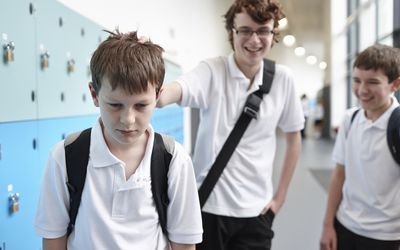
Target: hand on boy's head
(143, 39)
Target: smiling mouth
(365, 99)
(253, 50)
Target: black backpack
(76, 166)
(392, 133)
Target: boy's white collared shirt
(116, 213)
(220, 90)
(371, 197)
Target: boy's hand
(143, 39)
(328, 239)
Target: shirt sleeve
(52, 211)
(196, 86)
(292, 117)
(339, 150)
(184, 222)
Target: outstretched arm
(55, 244)
(293, 149)
(176, 246)
(328, 239)
(170, 93)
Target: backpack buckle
(250, 112)
(252, 105)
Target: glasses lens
(263, 32)
(247, 33)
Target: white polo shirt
(116, 213)
(371, 192)
(219, 89)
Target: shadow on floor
(322, 176)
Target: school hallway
(298, 224)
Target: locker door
(18, 79)
(18, 174)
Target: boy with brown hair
(117, 210)
(364, 200)
(240, 206)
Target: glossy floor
(298, 225)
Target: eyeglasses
(247, 33)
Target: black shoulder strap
(76, 158)
(160, 160)
(250, 111)
(393, 134)
(354, 116)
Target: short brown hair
(379, 56)
(128, 63)
(261, 11)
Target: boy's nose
(254, 37)
(363, 88)
(128, 117)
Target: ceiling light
(311, 60)
(283, 23)
(289, 40)
(300, 51)
(323, 65)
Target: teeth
(253, 50)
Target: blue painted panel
(84, 37)
(66, 36)
(169, 120)
(52, 38)
(18, 167)
(50, 131)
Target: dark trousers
(230, 233)
(348, 240)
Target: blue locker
(18, 78)
(19, 168)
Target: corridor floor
(298, 224)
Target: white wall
(338, 61)
(308, 78)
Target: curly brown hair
(128, 63)
(261, 11)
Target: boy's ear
(93, 93)
(159, 93)
(396, 84)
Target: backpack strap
(393, 134)
(160, 159)
(77, 148)
(250, 111)
(353, 116)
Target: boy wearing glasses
(363, 210)
(241, 207)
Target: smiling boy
(363, 203)
(240, 210)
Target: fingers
(143, 39)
